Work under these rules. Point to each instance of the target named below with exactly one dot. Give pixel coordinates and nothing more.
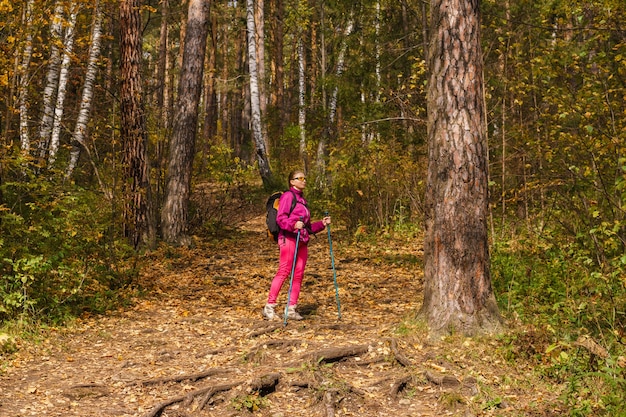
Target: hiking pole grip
(332, 263)
(293, 269)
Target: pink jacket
(287, 222)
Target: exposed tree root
(336, 354)
(214, 352)
(445, 381)
(208, 392)
(329, 404)
(180, 378)
(263, 385)
(264, 330)
(399, 385)
(267, 344)
(402, 360)
(329, 397)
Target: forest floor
(197, 345)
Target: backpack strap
(294, 201)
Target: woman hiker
(290, 224)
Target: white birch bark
(260, 45)
(255, 107)
(68, 45)
(25, 77)
(332, 107)
(368, 133)
(376, 134)
(341, 59)
(301, 96)
(52, 80)
(78, 137)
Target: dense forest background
(341, 92)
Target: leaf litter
(197, 345)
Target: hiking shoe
(269, 313)
(293, 314)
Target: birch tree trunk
(332, 106)
(52, 80)
(68, 45)
(139, 225)
(78, 137)
(301, 101)
(255, 106)
(175, 213)
(25, 78)
(259, 21)
(457, 285)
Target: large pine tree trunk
(175, 213)
(138, 216)
(255, 103)
(457, 286)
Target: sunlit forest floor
(197, 345)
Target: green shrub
(59, 254)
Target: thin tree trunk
(255, 105)
(68, 45)
(52, 80)
(162, 101)
(279, 71)
(332, 107)
(259, 21)
(162, 58)
(301, 101)
(78, 137)
(25, 78)
(210, 98)
(175, 213)
(457, 285)
(139, 221)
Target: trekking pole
(332, 262)
(293, 269)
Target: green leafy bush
(59, 255)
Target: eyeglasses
(299, 179)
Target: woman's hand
(326, 220)
(299, 225)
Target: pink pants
(287, 248)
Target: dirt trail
(198, 346)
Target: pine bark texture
(457, 285)
(175, 213)
(138, 224)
